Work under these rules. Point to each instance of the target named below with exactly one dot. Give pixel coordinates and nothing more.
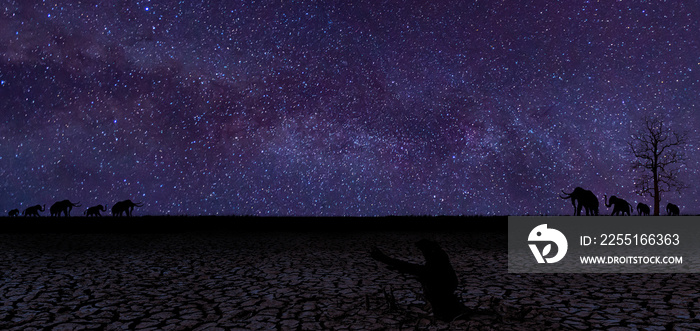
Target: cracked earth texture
(308, 281)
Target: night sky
(339, 107)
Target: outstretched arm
(401, 266)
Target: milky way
(339, 108)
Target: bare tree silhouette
(672, 209)
(95, 210)
(658, 154)
(643, 209)
(34, 210)
(13, 213)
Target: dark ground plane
(181, 273)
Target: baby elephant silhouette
(13, 213)
(124, 207)
(34, 210)
(643, 209)
(673, 210)
(95, 210)
(621, 206)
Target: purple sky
(339, 108)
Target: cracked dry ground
(298, 281)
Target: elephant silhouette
(63, 207)
(621, 206)
(95, 210)
(585, 198)
(126, 206)
(13, 213)
(672, 210)
(643, 209)
(437, 277)
(34, 210)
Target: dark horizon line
(312, 216)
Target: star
(339, 109)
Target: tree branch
(656, 150)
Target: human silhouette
(586, 199)
(643, 209)
(63, 207)
(622, 207)
(437, 277)
(34, 210)
(672, 209)
(95, 210)
(124, 207)
(13, 213)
